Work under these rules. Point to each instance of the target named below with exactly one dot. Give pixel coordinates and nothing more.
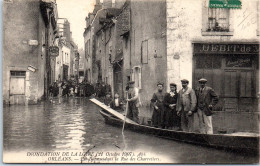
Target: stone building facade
(27, 34)
(221, 45)
(229, 49)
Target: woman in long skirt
(172, 120)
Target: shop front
(232, 70)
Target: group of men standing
(177, 110)
(180, 110)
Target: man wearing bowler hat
(207, 99)
(133, 102)
(186, 105)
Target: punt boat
(240, 142)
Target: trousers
(205, 122)
(133, 112)
(186, 122)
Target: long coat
(209, 97)
(171, 117)
(158, 115)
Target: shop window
(208, 62)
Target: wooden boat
(240, 142)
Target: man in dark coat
(172, 120)
(158, 105)
(207, 99)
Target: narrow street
(75, 124)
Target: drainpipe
(47, 58)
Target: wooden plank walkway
(110, 110)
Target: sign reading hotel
(233, 4)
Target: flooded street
(75, 124)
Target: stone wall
(20, 26)
(148, 24)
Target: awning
(233, 4)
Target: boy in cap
(133, 102)
(186, 105)
(158, 105)
(116, 104)
(107, 99)
(207, 99)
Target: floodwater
(76, 125)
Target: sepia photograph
(130, 81)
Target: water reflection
(76, 125)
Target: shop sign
(31, 68)
(231, 4)
(239, 62)
(33, 42)
(54, 51)
(226, 48)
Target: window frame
(144, 52)
(205, 16)
(139, 75)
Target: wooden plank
(110, 110)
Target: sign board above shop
(231, 4)
(54, 51)
(226, 48)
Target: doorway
(17, 87)
(239, 90)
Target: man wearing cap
(186, 106)
(172, 120)
(133, 102)
(157, 103)
(207, 99)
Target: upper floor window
(137, 76)
(218, 20)
(87, 49)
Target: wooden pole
(126, 109)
